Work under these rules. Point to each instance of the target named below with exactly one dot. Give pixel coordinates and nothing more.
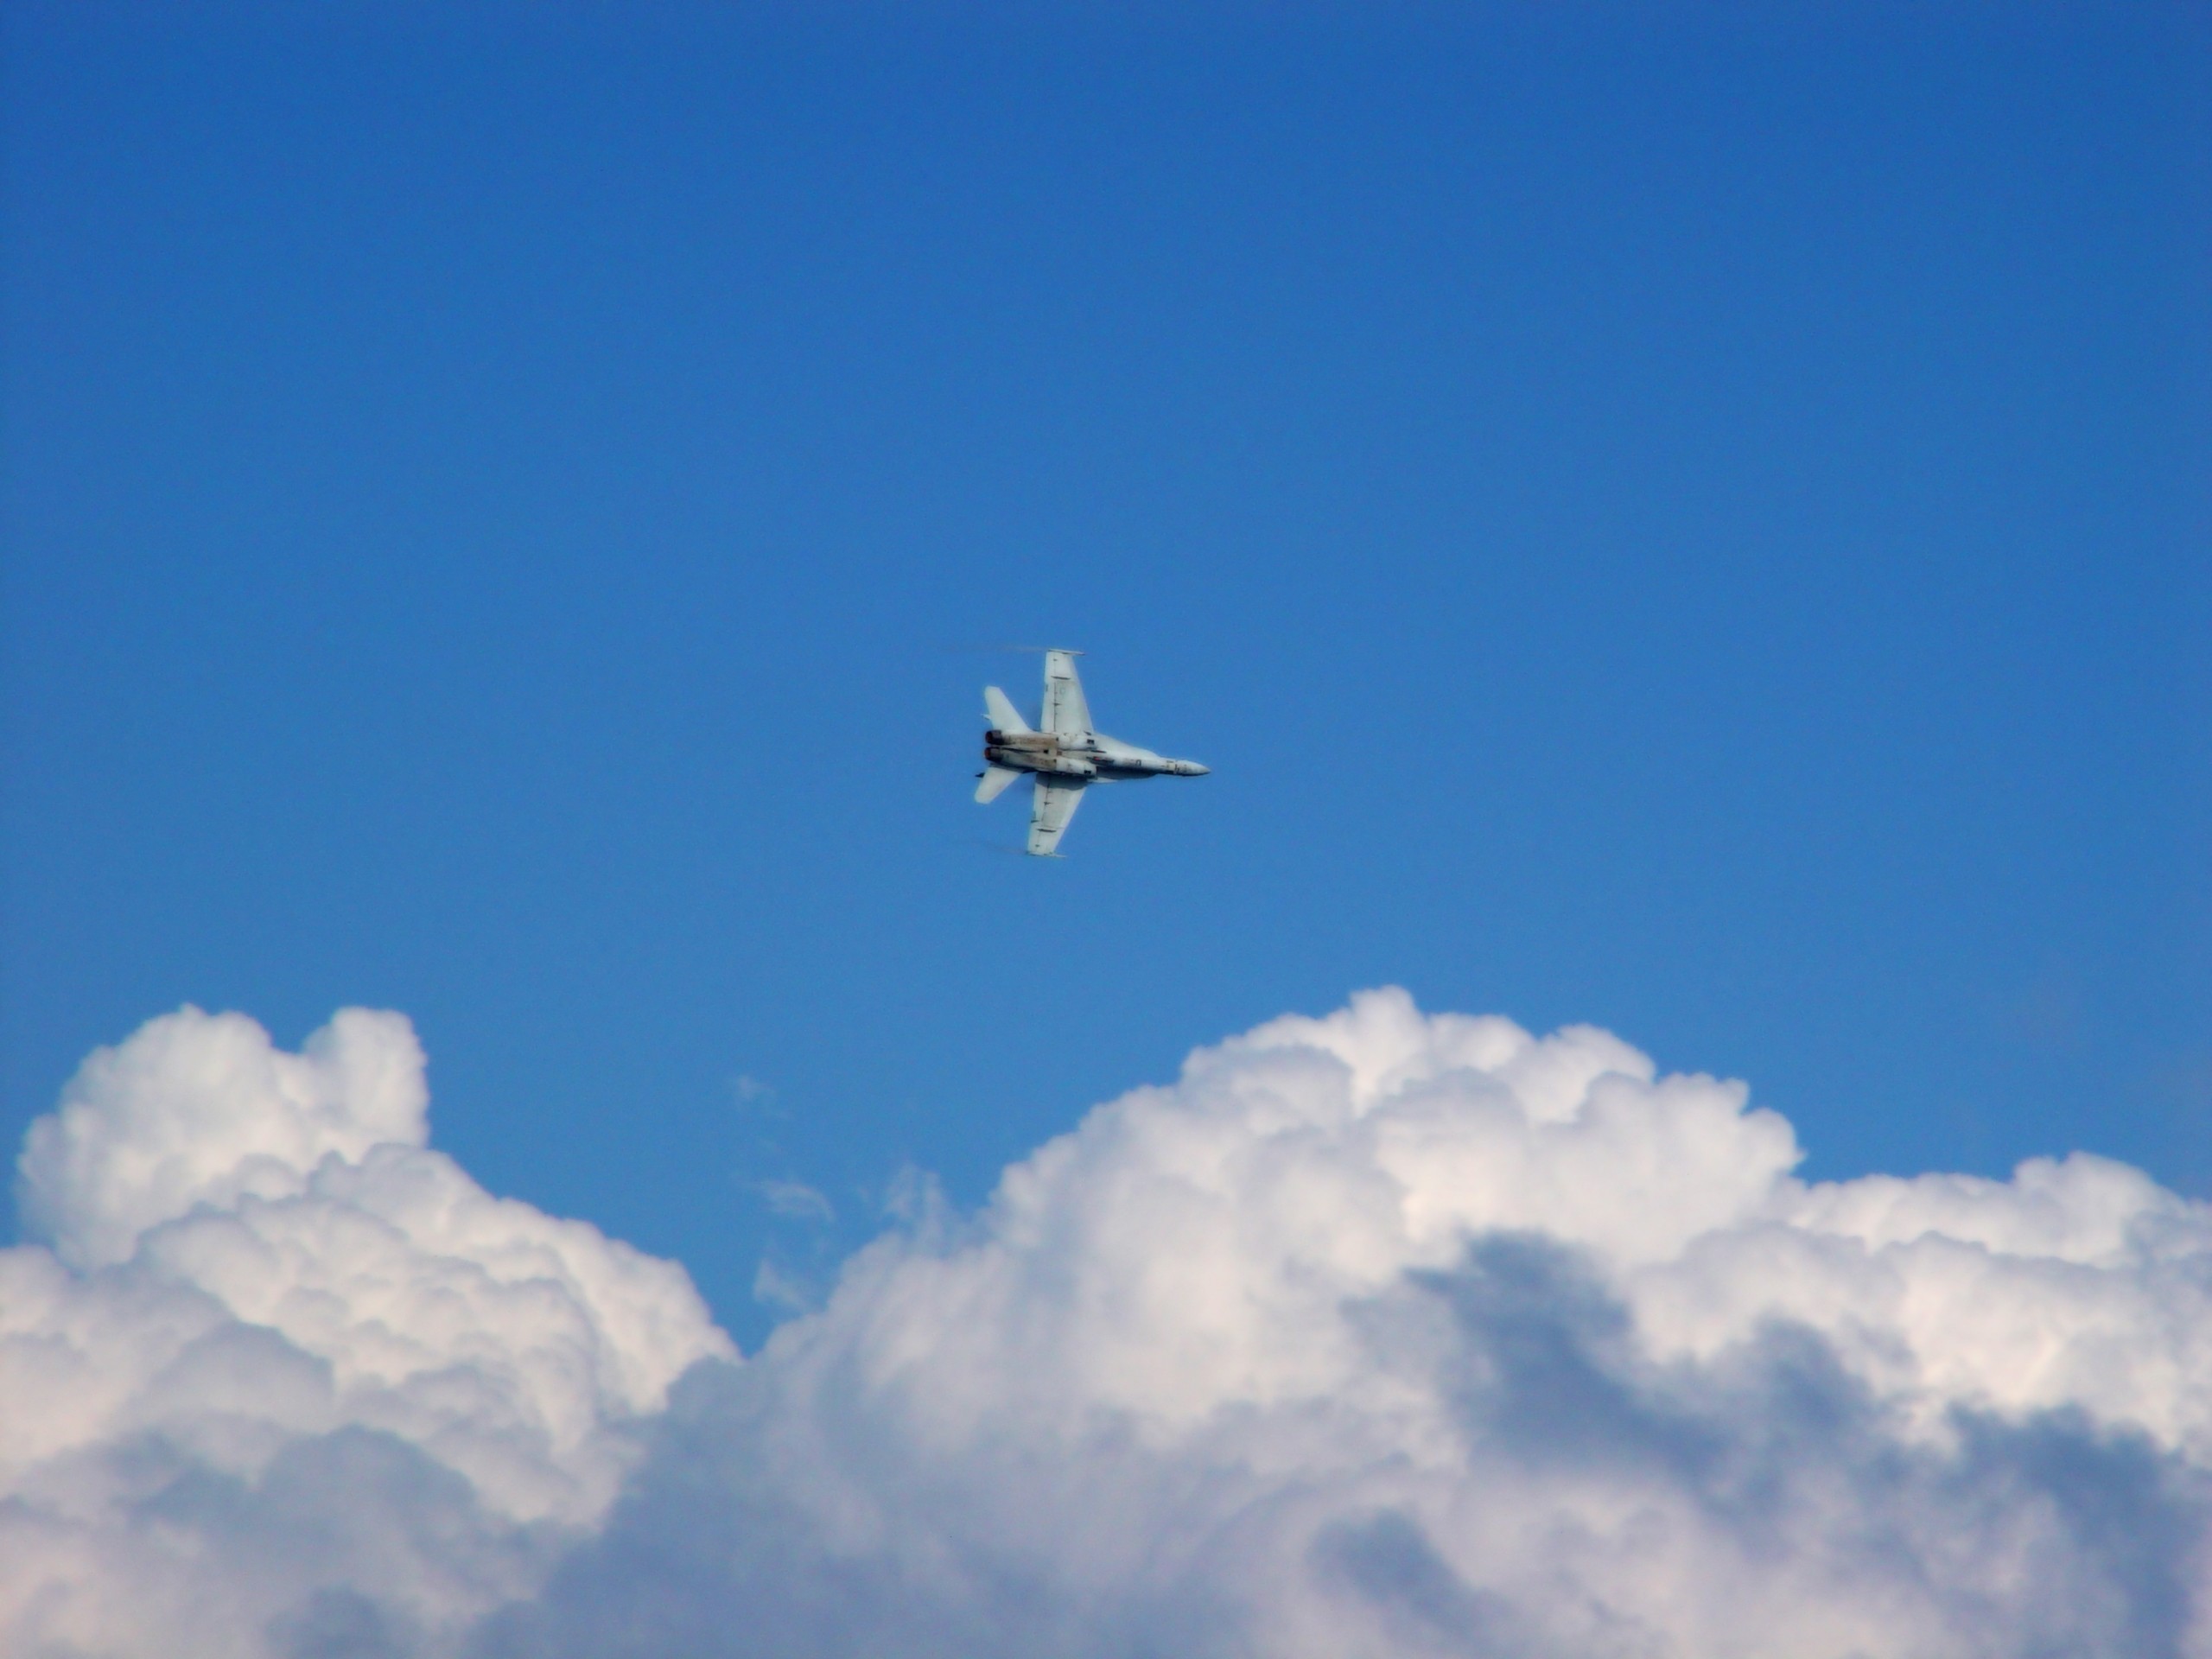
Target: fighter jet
(1066, 755)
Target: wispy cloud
(795, 1200)
(774, 1288)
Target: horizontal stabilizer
(995, 778)
(1000, 711)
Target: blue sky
(1674, 518)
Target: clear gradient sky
(1690, 518)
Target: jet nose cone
(1193, 769)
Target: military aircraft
(1064, 752)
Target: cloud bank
(280, 1379)
(1376, 1334)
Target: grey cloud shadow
(1772, 1445)
(334, 1542)
(1388, 1561)
(1774, 1438)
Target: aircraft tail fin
(995, 779)
(1000, 711)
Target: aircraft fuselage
(1091, 756)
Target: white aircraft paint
(1064, 752)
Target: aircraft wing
(1056, 804)
(1066, 713)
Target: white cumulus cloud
(1384, 1334)
(274, 1366)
